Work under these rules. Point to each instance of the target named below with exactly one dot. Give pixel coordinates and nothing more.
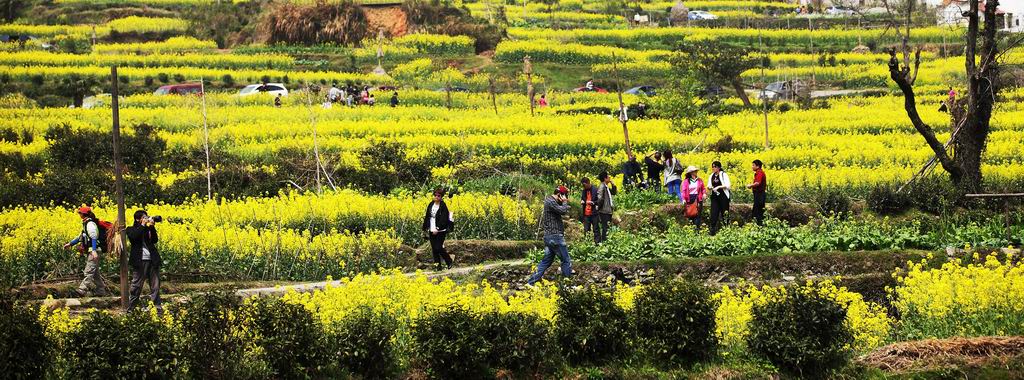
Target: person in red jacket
(760, 189)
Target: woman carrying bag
(692, 195)
(437, 223)
(719, 185)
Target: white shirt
(670, 174)
(92, 230)
(694, 189)
(726, 184)
(433, 217)
(145, 253)
(334, 93)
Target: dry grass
(341, 23)
(931, 353)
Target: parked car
(702, 15)
(642, 90)
(595, 89)
(454, 89)
(711, 91)
(837, 11)
(265, 88)
(98, 101)
(782, 90)
(180, 89)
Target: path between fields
(314, 286)
(111, 302)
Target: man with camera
(144, 258)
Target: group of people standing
(144, 258)
(692, 191)
(352, 95)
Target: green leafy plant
(362, 344)
(520, 344)
(291, 338)
(675, 321)
(25, 349)
(591, 328)
(118, 347)
(803, 333)
(449, 345)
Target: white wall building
(951, 12)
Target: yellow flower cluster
(408, 297)
(226, 61)
(983, 297)
(868, 321)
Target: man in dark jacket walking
(605, 206)
(555, 207)
(144, 259)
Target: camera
(156, 219)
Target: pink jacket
(685, 190)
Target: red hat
(563, 190)
(84, 209)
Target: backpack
(677, 168)
(104, 234)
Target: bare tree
(972, 113)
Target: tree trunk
(964, 165)
(738, 86)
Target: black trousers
(437, 247)
(759, 201)
(149, 274)
(719, 205)
(590, 225)
(601, 230)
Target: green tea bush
(520, 344)
(361, 344)
(449, 344)
(25, 351)
(133, 346)
(884, 200)
(290, 336)
(591, 328)
(833, 203)
(214, 346)
(803, 334)
(675, 322)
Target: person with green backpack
(91, 242)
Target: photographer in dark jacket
(144, 258)
(437, 223)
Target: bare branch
(917, 66)
(899, 75)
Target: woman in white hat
(719, 184)
(692, 192)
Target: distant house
(953, 12)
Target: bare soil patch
(938, 353)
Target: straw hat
(691, 169)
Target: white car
(836, 11)
(267, 88)
(702, 15)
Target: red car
(180, 89)
(595, 89)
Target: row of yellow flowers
(223, 61)
(130, 24)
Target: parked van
(180, 89)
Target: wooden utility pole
(528, 70)
(119, 188)
(623, 117)
(764, 91)
(494, 98)
(206, 142)
(448, 91)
